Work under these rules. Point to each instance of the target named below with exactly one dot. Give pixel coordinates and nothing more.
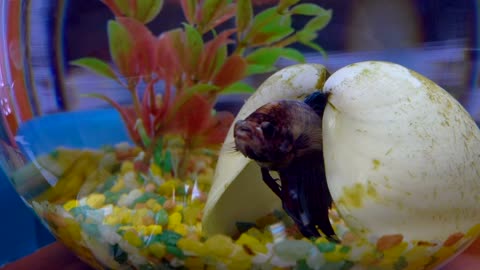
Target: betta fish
(286, 136)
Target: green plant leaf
(238, 88)
(265, 17)
(293, 54)
(210, 57)
(308, 9)
(124, 6)
(262, 38)
(189, 7)
(244, 14)
(285, 4)
(319, 22)
(280, 24)
(223, 14)
(96, 65)
(121, 45)
(306, 35)
(194, 45)
(210, 8)
(219, 59)
(258, 69)
(147, 10)
(316, 47)
(167, 164)
(269, 26)
(264, 56)
(269, 56)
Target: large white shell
(238, 192)
(401, 154)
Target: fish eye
(268, 129)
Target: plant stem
(136, 101)
(285, 42)
(183, 163)
(150, 88)
(240, 48)
(149, 151)
(260, 26)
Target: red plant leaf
(233, 70)
(144, 46)
(218, 129)
(217, 61)
(168, 63)
(223, 15)
(128, 115)
(195, 123)
(210, 8)
(132, 9)
(164, 107)
(189, 8)
(121, 45)
(144, 11)
(147, 10)
(164, 59)
(182, 53)
(244, 15)
(192, 117)
(206, 66)
(261, 38)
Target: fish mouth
(248, 138)
(242, 147)
(246, 131)
(243, 134)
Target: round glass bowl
(107, 129)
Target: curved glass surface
(125, 189)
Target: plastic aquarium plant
(175, 78)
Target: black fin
(317, 101)
(270, 182)
(309, 206)
(302, 142)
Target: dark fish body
(286, 136)
(306, 196)
(278, 132)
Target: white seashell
(401, 154)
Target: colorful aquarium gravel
(126, 217)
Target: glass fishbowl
(249, 134)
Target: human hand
(53, 257)
(468, 260)
(57, 257)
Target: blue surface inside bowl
(22, 231)
(82, 129)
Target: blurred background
(437, 38)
